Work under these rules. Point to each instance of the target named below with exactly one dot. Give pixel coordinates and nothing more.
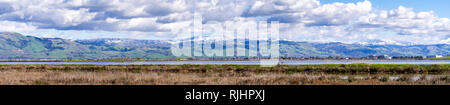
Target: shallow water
(293, 62)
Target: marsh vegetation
(329, 74)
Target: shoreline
(100, 60)
(255, 62)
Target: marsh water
(285, 62)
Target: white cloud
(310, 12)
(407, 22)
(46, 13)
(11, 26)
(302, 20)
(338, 13)
(273, 7)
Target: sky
(347, 21)
(440, 7)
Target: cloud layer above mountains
(301, 20)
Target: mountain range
(17, 46)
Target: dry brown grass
(201, 75)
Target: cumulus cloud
(338, 13)
(302, 20)
(407, 22)
(11, 26)
(45, 14)
(310, 12)
(274, 7)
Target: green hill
(17, 46)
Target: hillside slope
(17, 46)
(14, 46)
